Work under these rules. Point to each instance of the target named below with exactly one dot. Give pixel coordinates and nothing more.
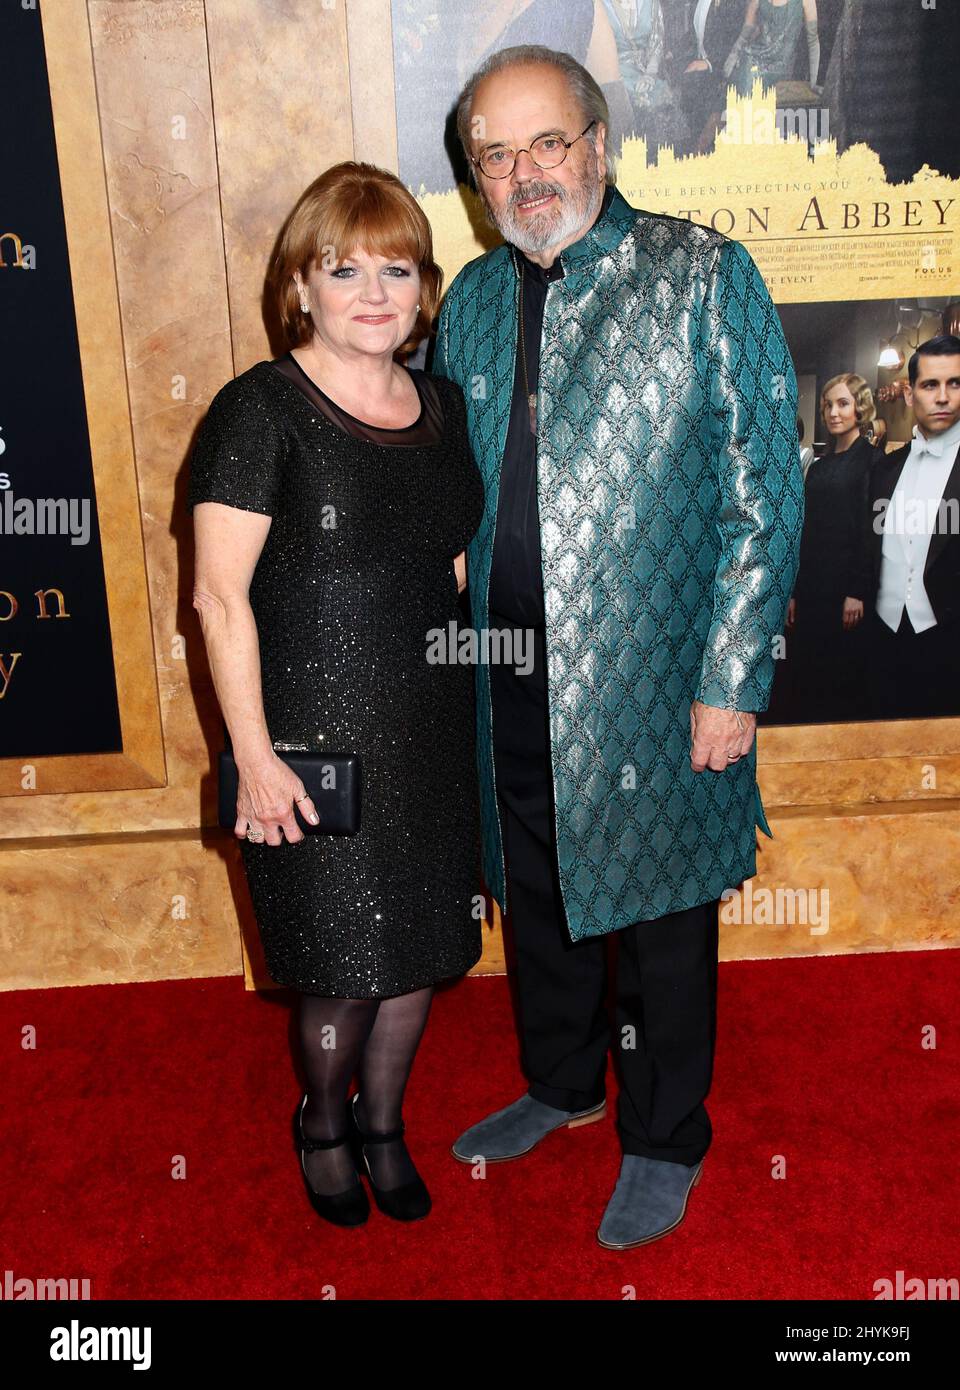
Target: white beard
(539, 231)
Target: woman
(767, 44)
(825, 614)
(334, 492)
(638, 29)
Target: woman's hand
(460, 569)
(852, 612)
(265, 797)
(732, 59)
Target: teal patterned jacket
(671, 504)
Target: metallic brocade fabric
(671, 506)
(357, 568)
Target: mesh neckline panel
(427, 430)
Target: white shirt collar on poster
(937, 444)
(915, 513)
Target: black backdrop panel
(61, 694)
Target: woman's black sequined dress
(356, 571)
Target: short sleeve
(239, 452)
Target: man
(700, 38)
(914, 662)
(645, 399)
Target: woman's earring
(304, 308)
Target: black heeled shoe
(409, 1202)
(350, 1208)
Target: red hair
(354, 207)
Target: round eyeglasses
(547, 151)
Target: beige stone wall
(212, 119)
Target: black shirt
(516, 578)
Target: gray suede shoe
(649, 1200)
(517, 1129)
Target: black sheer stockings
(376, 1039)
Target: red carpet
(818, 1060)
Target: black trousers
(665, 1014)
(913, 675)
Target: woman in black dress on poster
(334, 492)
(825, 617)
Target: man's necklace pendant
(532, 405)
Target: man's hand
(719, 737)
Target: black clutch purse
(332, 780)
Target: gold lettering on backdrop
(41, 596)
(7, 671)
(9, 600)
(18, 246)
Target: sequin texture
(357, 568)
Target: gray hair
(584, 90)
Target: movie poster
(823, 135)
